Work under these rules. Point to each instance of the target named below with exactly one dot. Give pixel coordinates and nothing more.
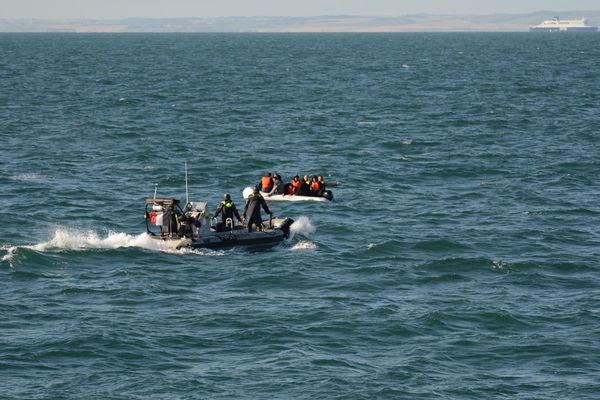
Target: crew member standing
(227, 209)
(252, 210)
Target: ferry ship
(567, 25)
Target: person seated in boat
(266, 183)
(294, 186)
(316, 188)
(278, 186)
(228, 210)
(304, 186)
(252, 210)
(325, 184)
(322, 181)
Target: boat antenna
(187, 200)
(155, 189)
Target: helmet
(227, 196)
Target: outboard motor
(285, 227)
(328, 195)
(186, 227)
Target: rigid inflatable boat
(191, 227)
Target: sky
(117, 9)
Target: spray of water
(302, 226)
(72, 239)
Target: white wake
(77, 240)
(303, 245)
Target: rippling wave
(459, 259)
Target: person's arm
(236, 213)
(218, 210)
(265, 207)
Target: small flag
(156, 218)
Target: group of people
(251, 214)
(270, 184)
(306, 186)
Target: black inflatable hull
(238, 237)
(250, 240)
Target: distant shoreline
(322, 24)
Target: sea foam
(302, 226)
(73, 239)
(27, 177)
(303, 245)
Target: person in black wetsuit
(227, 209)
(252, 210)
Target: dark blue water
(460, 258)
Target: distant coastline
(407, 23)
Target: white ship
(566, 25)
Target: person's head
(268, 174)
(227, 196)
(314, 178)
(296, 178)
(277, 177)
(305, 177)
(256, 189)
(320, 178)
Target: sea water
(460, 258)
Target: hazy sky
(111, 9)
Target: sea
(460, 258)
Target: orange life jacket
(294, 187)
(315, 186)
(267, 182)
